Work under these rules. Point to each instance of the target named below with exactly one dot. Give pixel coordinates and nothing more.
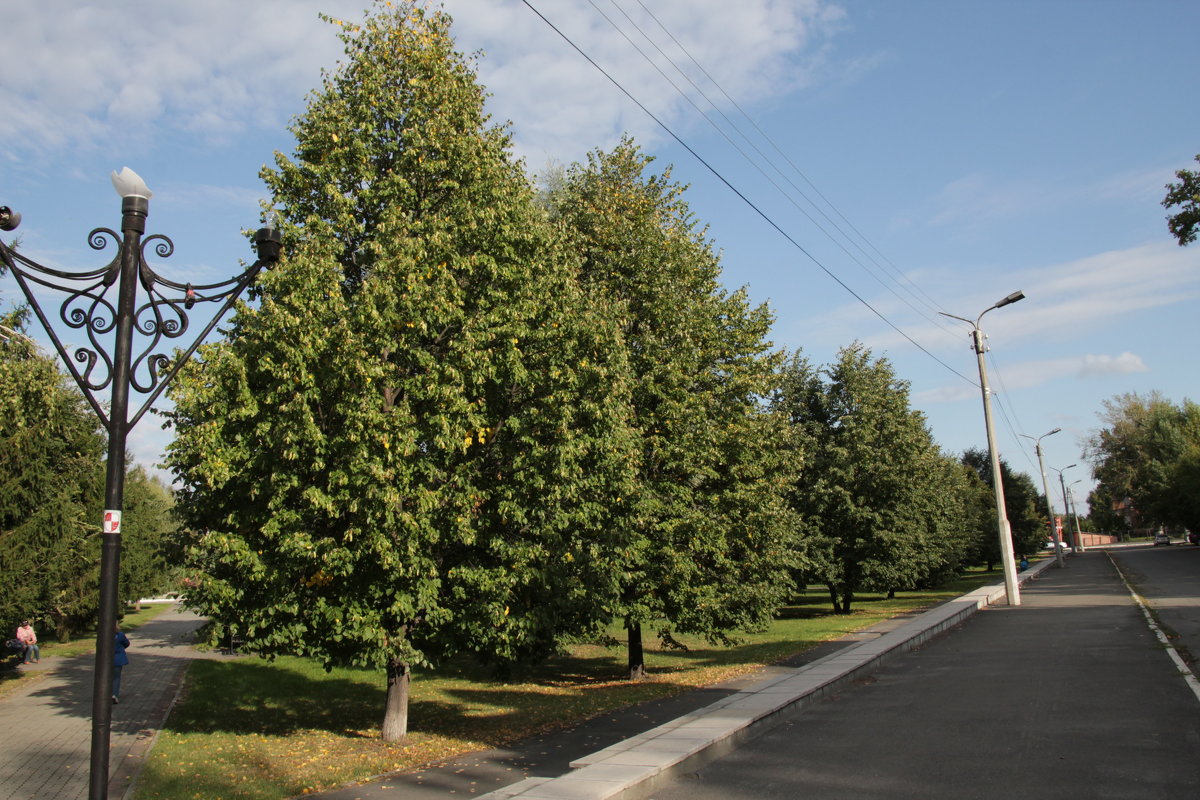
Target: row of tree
(52, 453)
(468, 416)
(1146, 461)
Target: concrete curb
(636, 766)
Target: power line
(929, 301)
(765, 157)
(739, 194)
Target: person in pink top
(28, 638)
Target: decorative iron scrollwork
(159, 318)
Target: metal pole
(1066, 506)
(161, 317)
(1011, 587)
(133, 224)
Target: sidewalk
(46, 728)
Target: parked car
(1193, 537)
(1161, 538)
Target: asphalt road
(1168, 578)
(1068, 695)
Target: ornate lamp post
(1058, 559)
(1012, 589)
(137, 331)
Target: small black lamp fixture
(137, 332)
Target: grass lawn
(249, 728)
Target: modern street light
(1066, 503)
(1011, 588)
(161, 318)
(1058, 559)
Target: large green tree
(51, 489)
(1148, 454)
(1029, 527)
(52, 453)
(710, 533)
(148, 527)
(882, 506)
(1184, 196)
(411, 447)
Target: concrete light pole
(1058, 559)
(1011, 587)
(1066, 502)
(1075, 514)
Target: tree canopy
(1147, 456)
(1185, 196)
(1030, 528)
(710, 537)
(52, 452)
(411, 447)
(882, 506)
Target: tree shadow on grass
(250, 696)
(270, 699)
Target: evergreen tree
(51, 490)
(411, 448)
(1029, 527)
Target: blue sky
(953, 152)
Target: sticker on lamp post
(112, 522)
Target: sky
(862, 166)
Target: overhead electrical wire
(1009, 416)
(903, 280)
(728, 184)
(1015, 428)
(932, 318)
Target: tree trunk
(891, 594)
(395, 717)
(833, 597)
(637, 659)
(847, 597)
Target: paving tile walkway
(46, 727)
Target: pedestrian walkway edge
(631, 769)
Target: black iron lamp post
(137, 332)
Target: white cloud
(91, 71)
(1112, 365)
(1064, 301)
(1030, 374)
(562, 106)
(983, 199)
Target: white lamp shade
(129, 184)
